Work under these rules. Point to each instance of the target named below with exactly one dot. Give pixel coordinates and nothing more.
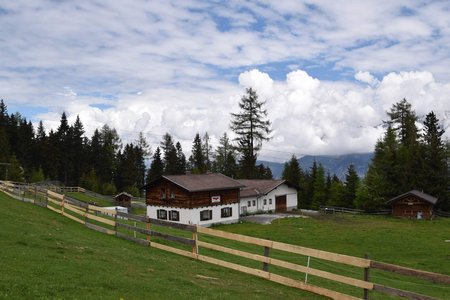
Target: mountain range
(333, 164)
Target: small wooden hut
(123, 199)
(413, 204)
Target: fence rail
(192, 241)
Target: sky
(328, 71)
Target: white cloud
(161, 66)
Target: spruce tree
(350, 187)
(197, 158)
(156, 169)
(251, 128)
(225, 158)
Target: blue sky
(328, 72)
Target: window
(174, 215)
(163, 193)
(244, 209)
(270, 201)
(172, 195)
(206, 215)
(249, 203)
(265, 201)
(161, 214)
(226, 212)
(254, 203)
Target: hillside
(333, 164)
(47, 256)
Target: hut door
(280, 203)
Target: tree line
(405, 158)
(103, 164)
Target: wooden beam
(72, 217)
(54, 201)
(401, 293)
(74, 209)
(100, 229)
(132, 239)
(435, 277)
(55, 195)
(340, 258)
(100, 219)
(234, 236)
(173, 250)
(291, 266)
(165, 236)
(172, 224)
(54, 209)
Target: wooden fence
(212, 246)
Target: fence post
(62, 205)
(307, 265)
(195, 239)
(366, 278)
(147, 226)
(115, 221)
(266, 254)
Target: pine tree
(181, 160)
(156, 169)
(292, 172)
(207, 152)
(350, 187)
(169, 154)
(336, 192)
(197, 158)
(435, 179)
(319, 196)
(251, 128)
(225, 158)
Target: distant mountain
(333, 164)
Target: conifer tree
(225, 158)
(251, 128)
(156, 169)
(197, 158)
(350, 187)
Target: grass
(416, 244)
(89, 199)
(46, 256)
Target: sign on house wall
(215, 199)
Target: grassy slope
(46, 256)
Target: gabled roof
(258, 187)
(123, 193)
(421, 195)
(203, 182)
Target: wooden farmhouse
(201, 199)
(413, 204)
(267, 195)
(123, 199)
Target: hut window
(205, 215)
(161, 214)
(174, 215)
(172, 195)
(226, 212)
(254, 203)
(163, 193)
(249, 203)
(270, 201)
(265, 201)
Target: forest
(411, 154)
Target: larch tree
(251, 127)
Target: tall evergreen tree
(435, 179)
(319, 185)
(181, 160)
(169, 154)
(207, 151)
(251, 128)
(225, 158)
(197, 158)
(350, 187)
(292, 171)
(156, 169)
(336, 192)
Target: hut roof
(202, 182)
(257, 187)
(428, 198)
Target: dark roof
(257, 187)
(203, 182)
(421, 195)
